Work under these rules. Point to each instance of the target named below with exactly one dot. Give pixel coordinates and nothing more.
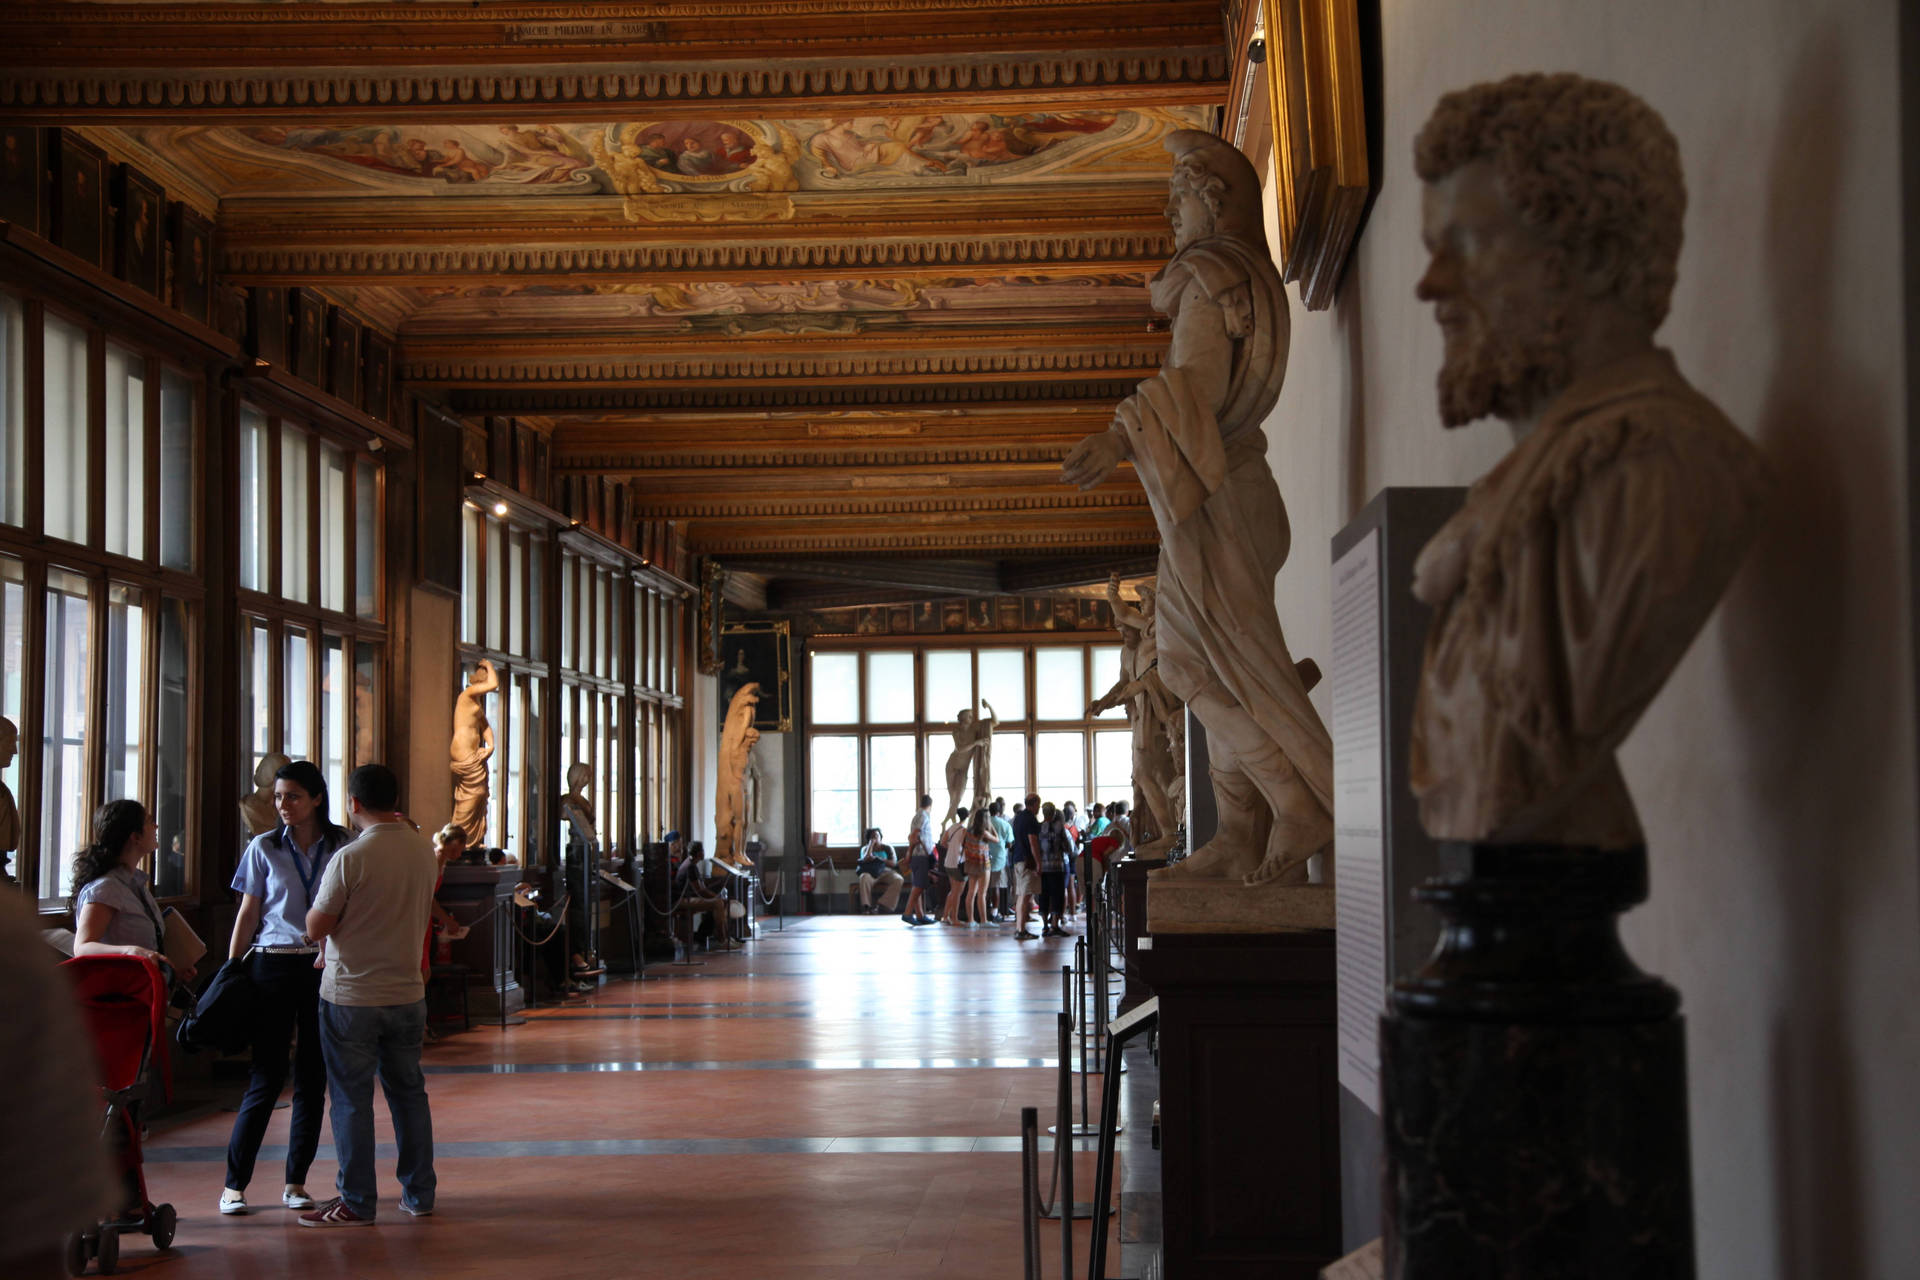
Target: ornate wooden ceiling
(835, 281)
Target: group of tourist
(988, 867)
(330, 936)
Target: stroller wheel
(107, 1253)
(161, 1224)
(77, 1254)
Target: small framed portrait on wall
(343, 355)
(309, 334)
(80, 197)
(267, 323)
(192, 239)
(139, 252)
(23, 177)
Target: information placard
(1359, 815)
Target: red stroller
(124, 1002)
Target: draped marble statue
(737, 737)
(1583, 564)
(577, 805)
(257, 814)
(972, 752)
(1151, 712)
(471, 749)
(1195, 436)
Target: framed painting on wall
(23, 177)
(192, 239)
(138, 252)
(376, 376)
(80, 197)
(309, 334)
(1319, 115)
(760, 652)
(267, 323)
(343, 355)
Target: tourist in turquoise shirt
(997, 848)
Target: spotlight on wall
(500, 508)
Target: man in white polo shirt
(372, 911)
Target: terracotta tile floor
(704, 1125)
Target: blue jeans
(356, 1040)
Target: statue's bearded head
(1550, 202)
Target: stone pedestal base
(1228, 906)
(1128, 881)
(1534, 1082)
(1249, 1115)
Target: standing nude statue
(1195, 436)
(472, 748)
(972, 746)
(730, 795)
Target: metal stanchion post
(1029, 1192)
(1065, 1126)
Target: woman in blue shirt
(277, 879)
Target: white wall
(703, 722)
(1776, 773)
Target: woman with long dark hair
(114, 913)
(276, 880)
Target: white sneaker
(296, 1197)
(232, 1201)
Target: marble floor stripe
(586, 1014)
(751, 1064)
(510, 1150)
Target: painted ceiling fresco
(683, 157)
(725, 306)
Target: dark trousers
(289, 1013)
(1053, 893)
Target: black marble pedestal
(481, 897)
(1533, 1081)
(1128, 879)
(1249, 1118)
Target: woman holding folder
(277, 879)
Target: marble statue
(1583, 564)
(1151, 711)
(756, 784)
(9, 812)
(730, 800)
(972, 751)
(257, 814)
(472, 748)
(1195, 436)
(577, 806)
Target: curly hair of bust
(114, 823)
(1587, 163)
(1191, 174)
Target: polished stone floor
(841, 1098)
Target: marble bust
(1195, 434)
(1581, 566)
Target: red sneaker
(334, 1213)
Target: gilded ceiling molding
(129, 94)
(600, 399)
(812, 365)
(950, 539)
(245, 262)
(639, 461)
(264, 14)
(664, 507)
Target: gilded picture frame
(1319, 121)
